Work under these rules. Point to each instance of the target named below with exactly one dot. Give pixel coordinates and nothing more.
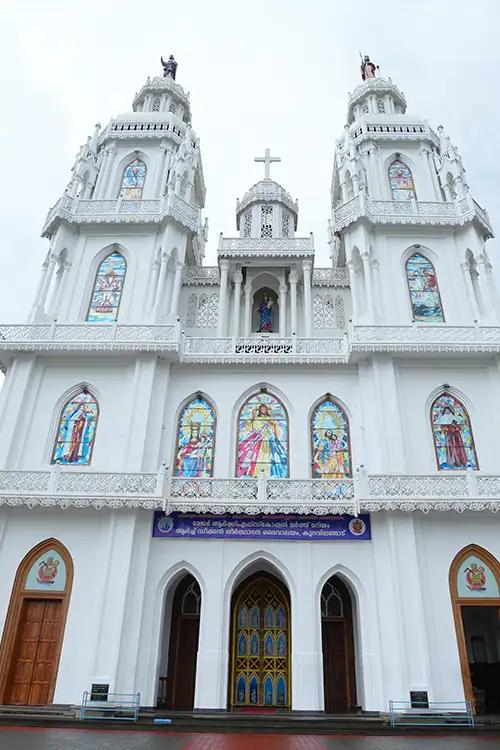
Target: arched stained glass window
(76, 430)
(194, 454)
(424, 291)
(401, 181)
(262, 438)
(331, 452)
(452, 434)
(132, 182)
(107, 291)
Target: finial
(267, 159)
(169, 67)
(367, 67)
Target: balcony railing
(78, 488)
(279, 247)
(442, 213)
(420, 337)
(83, 211)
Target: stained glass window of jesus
(194, 453)
(331, 457)
(108, 287)
(133, 178)
(424, 291)
(262, 438)
(401, 181)
(76, 430)
(452, 433)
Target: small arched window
(331, 601)
(191, 600)
(452, 434)
(194, 453)
(132, 182)
(262, 430)
(107, 291)
(331, 451)
(401, 181)
(76, 429)
(423, 288)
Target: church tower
(396, 180)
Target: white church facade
(262, 484)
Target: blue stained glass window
(330, 441)
(254, 645)
(269, 617)
(269, 645)
(76, 430)
(268, 691)
(254, 690)
(401, 181)
(281, 691)
(108, 287)
(281, 650)
(452, 433)
(255, 618)
(281, 617)
(424, 291)
(241, 689)
(262, 438)
(243, 617)
(195, 439)
(133, 178)
(242, 645)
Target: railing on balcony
(98, 335)
(431, 336)
(240, 348)
(78, 488)
(274, 246)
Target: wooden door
(338, 648)
(36, 652)
(183, 649)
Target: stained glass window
(133, 178)
(424, 291)
(401, 181)
(452, 433)
(330, 441)
(262, 438)
(76, 430)
(108, 287)
(194, 454)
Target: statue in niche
(367, 68)
(265, 311)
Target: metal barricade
(431, 713)
(113, 707)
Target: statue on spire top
(367, 67)
(169, 67)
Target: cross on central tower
(267, 159)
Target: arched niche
(337, 636)
(34, 627)
(474, 581)
(265, 311)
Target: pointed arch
(76, 429)
(195, 438)
(262, 437)
(330, 440)
(423, 289)
(132, 182)
(474, 581)
(337, 635)
(401, 181)
(38, 604)
(452, 434)
(107, 290)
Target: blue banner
(274, 527)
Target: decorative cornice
(273, 247)
(330, 277)
(201, 276)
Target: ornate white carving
(266, 190)
(231, 247)
(425, 337)
(331, 277)
(201, 276)
(267, 348)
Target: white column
(224, 270)
(46, 282)
(177, 287)
(162, 151)
(161, 281)
(282, 308)
(247, 323)
(103, 193)
(365, 257)
(19, 384)
(100, 176)
(306, 270)
(470, 290)
(41, 283)
(307, 680)
(238, 280)
(354, 290)
(293, 301)
(56, 298)
(487, 286)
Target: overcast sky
(261, 74)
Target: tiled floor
(75, 739)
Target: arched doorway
(339, 674)
(34, 627)
(475, 595)
(183, 645)
(260, 645)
